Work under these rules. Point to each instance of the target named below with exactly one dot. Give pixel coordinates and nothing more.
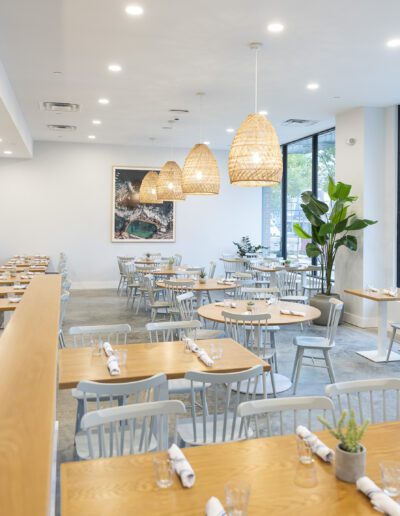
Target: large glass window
(307, 165)
(299, 179)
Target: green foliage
(245, 246)
(330, 226)
(148, 255)
(349, 436)
(171, 261)
(202, 274)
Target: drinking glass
(121, 355)
(186, 346)
(390, 473)
(227, 302)
(237, 496)
(216, 351)
(304, 451)
(163, 472)
(97, 347)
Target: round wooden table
(198, 288)
(213, 312)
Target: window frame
(314, 185)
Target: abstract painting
(133, 221)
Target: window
(307, 164)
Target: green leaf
(312, 250)
(300, 232)
(357, 224)
(311, 217)
(331, 187)
(348, 241)
(339, 212)
(306, 196)
(342, 191)
(326, 229)
(341, 226)
(317, 238)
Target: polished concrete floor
(91, 307)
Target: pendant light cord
(256, 83)
(201, 117)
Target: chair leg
(391, 344)
(297, 375)
(329, 365)
(209, 296)
(119, 285)
(79, 415)
(296, 359)
(273, 346)
(273, 382)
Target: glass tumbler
(163, 472)
(390, 473)
(304, 451)
(237, 495)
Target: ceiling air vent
(179, 111)
(60, 107)
(60, 127)
(299, 122)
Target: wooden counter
(28, 366)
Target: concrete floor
(105, 307)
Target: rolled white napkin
(24, 276)
(284, 311)
(316, 445)
(113, 366)
(220, 304)
(19, 287)
(14, 299)
(190, 343)
(202, 354)
(389, 292)
(181, 466)
(233, 305)
(108, 350)
(214, 507)
(381, 501)
(225, 282)
(373, 289)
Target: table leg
(273, 281)
(379, 355)
(199, 297)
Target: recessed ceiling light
(57, 73)
(230, 130)
(114, 68)
(393, 43)
(92, 137)
(134, 10)
(275, 27)
(96, 122)
(206, 142)
(1, 139)
(103, 101)
(262, 112)
(7, 152)
(312, 86)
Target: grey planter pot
(321, 301)
(350, 466)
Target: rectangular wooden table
(280, 485)
(378, 355)
(7, 306)
(11, 289)
(144, 360)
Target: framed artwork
(133, 221)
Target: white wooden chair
(97, 395)
(250, 331)
(269, 417)
(113, 333)
(221, 422)
(178, 260)
(63, 307)
(131, 429)
(288, 284)
(395, 327)
(157, 306)
(375, 399)
(187, 313)
(232, 265)
(173, 289)
(318, 344)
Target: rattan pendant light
(200, 174)
(255, 158)
(169, 187)
(148, 189)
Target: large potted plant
(350, 453)
(332, 227)
(245, 247)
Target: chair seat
(82, 447)
(160, 304)
(312, 342)
(182, 386)
(295, 299)
(207, 334)
(185, 430)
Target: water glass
(390, 473)
(237, 495)
(216, 351)
(121, 355)
(304, 451)
(186, 345)
(97, 347)
(227, 302)
(163, 472)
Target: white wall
(371, 167)
(61, 201)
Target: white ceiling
(180, 47)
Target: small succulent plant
(148, 255)
(350, 435)
(171, 261)
(202, 275)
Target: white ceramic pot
(350, 466)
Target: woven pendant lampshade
(200, 174)
(169, 187)
(148, 189)
(255, 158)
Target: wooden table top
(268, 268)
(213, 312)
(7, 306)
(144, 360)
(280, 485)
(10, 280)
(372, 296)
(210, 284)
(28, 367)
(4, 291)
